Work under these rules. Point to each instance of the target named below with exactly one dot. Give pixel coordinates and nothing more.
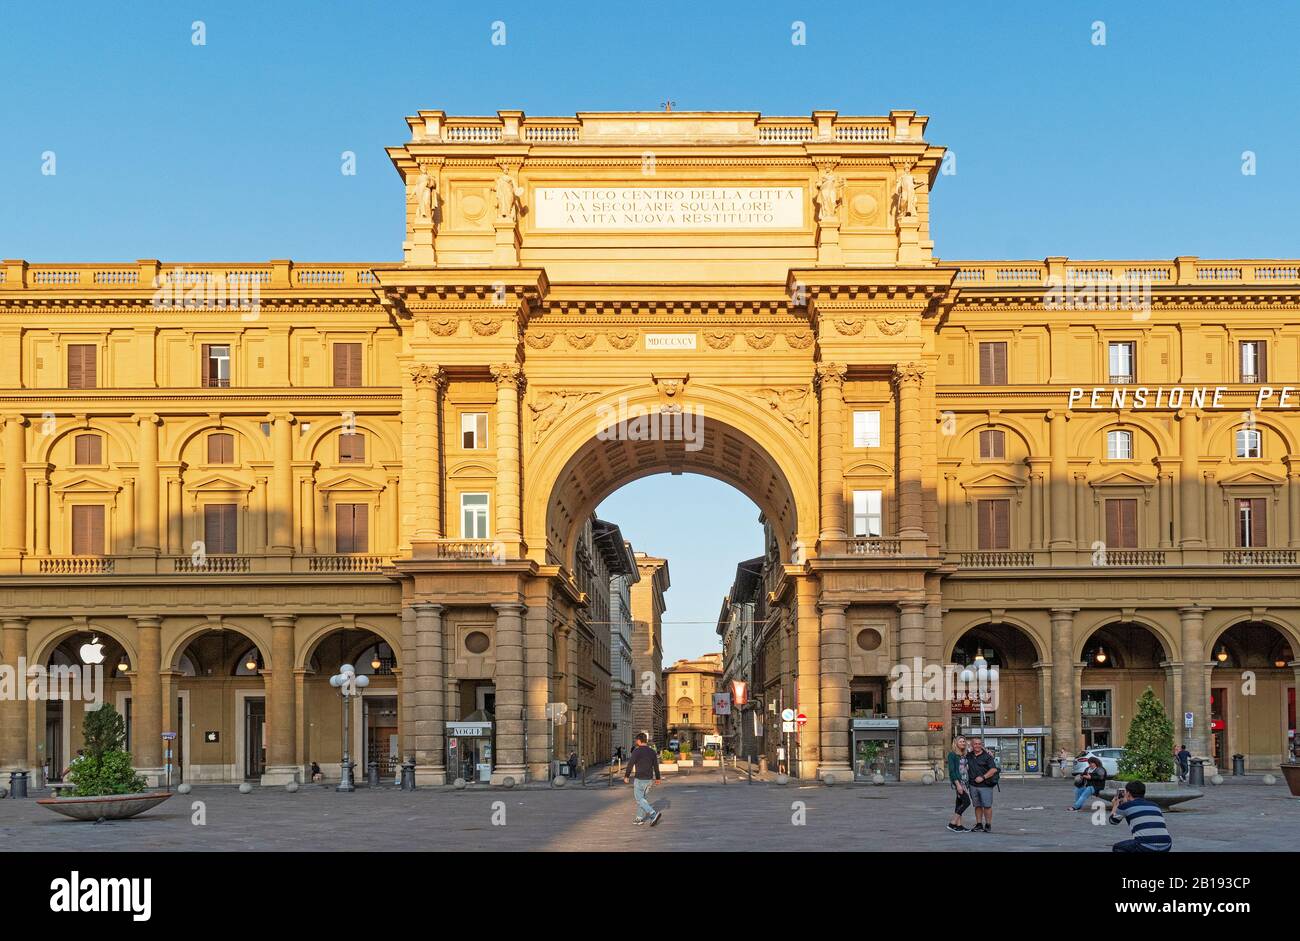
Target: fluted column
(280, 707)
(147, 534)
(510, 693)
(1059, 483)
(429, 381)
(508, 520)
(908, 379)
(538, 669)
(1195, 679)
(1065, 704)
(13, 487)
(830, 380)
(428, 691)
(808, 683)
(13, 709)
(175, 519)
(1035, 510)
(912, 710)
(1190, 503)
(1165, 489)
(309, 514)
(281, 509)
(146, 698)
(834, 693)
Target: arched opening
(82, 669)
(1120, 660)
(1252, 694)
(1009, 713)
(373, 727)
(219, 714)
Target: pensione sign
(1174, 397)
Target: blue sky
(231, 151)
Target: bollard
(1196, 773)
(408, 774)
(17, 783)
(1238, 766)
(372, 774)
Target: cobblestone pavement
(700, 813)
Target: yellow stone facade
(763, 278)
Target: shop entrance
(254, 738)
(469, 749)
(875, 749)
(380, 725)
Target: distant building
(623, 574)
(648, 605)
(689, 686)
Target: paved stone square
(700, 813)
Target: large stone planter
(665, 767)
(106, 807)
(1163, 795)
(710, 763)
(1291, 771)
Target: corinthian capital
(508, 374)
(909, 373)
(428, 374)
(831, 374)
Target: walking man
(1184, 759)
(643, 762)
(982, 771)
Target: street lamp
(348, 684)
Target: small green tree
(1149, 752)
(105, 768)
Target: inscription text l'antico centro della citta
(667, 207)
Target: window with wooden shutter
(87, 530)
(220, 533)
(993, 444)
(352, 448)
(1252, 523)
(81, 366)
(1254, 361)
(215, 365)
(221, 448)
(1121, 524)
(352, 527)
(347, 364)
(89, 449)
(994, 518)
(993, 364)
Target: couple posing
(973, 774)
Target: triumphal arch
(667, 293)
(222, 481)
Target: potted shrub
(1291, 771)
(687, 757)
(106, 784)
(711, 758)
(668, 760)
(1149, 755)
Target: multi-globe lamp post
(349, 684)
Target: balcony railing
(997, 560)
(1131, 557)
(346, 563)
(212, 564)
(1259, 556)
(77, 565)
(472, 550)
(875, 546)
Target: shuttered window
(993, 444)
(351, 527)
(993, 364)
(352, 448)
(1254, 361)
(994, 524)
(473, 430)
(1121, 524)
(220, 532)
(347, 364)
(87, 530)
(221, 448)
(89, 449)
(215, 365)
(81, 366)
(1252, 523)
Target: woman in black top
(1089, 783)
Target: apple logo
(92, 652)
